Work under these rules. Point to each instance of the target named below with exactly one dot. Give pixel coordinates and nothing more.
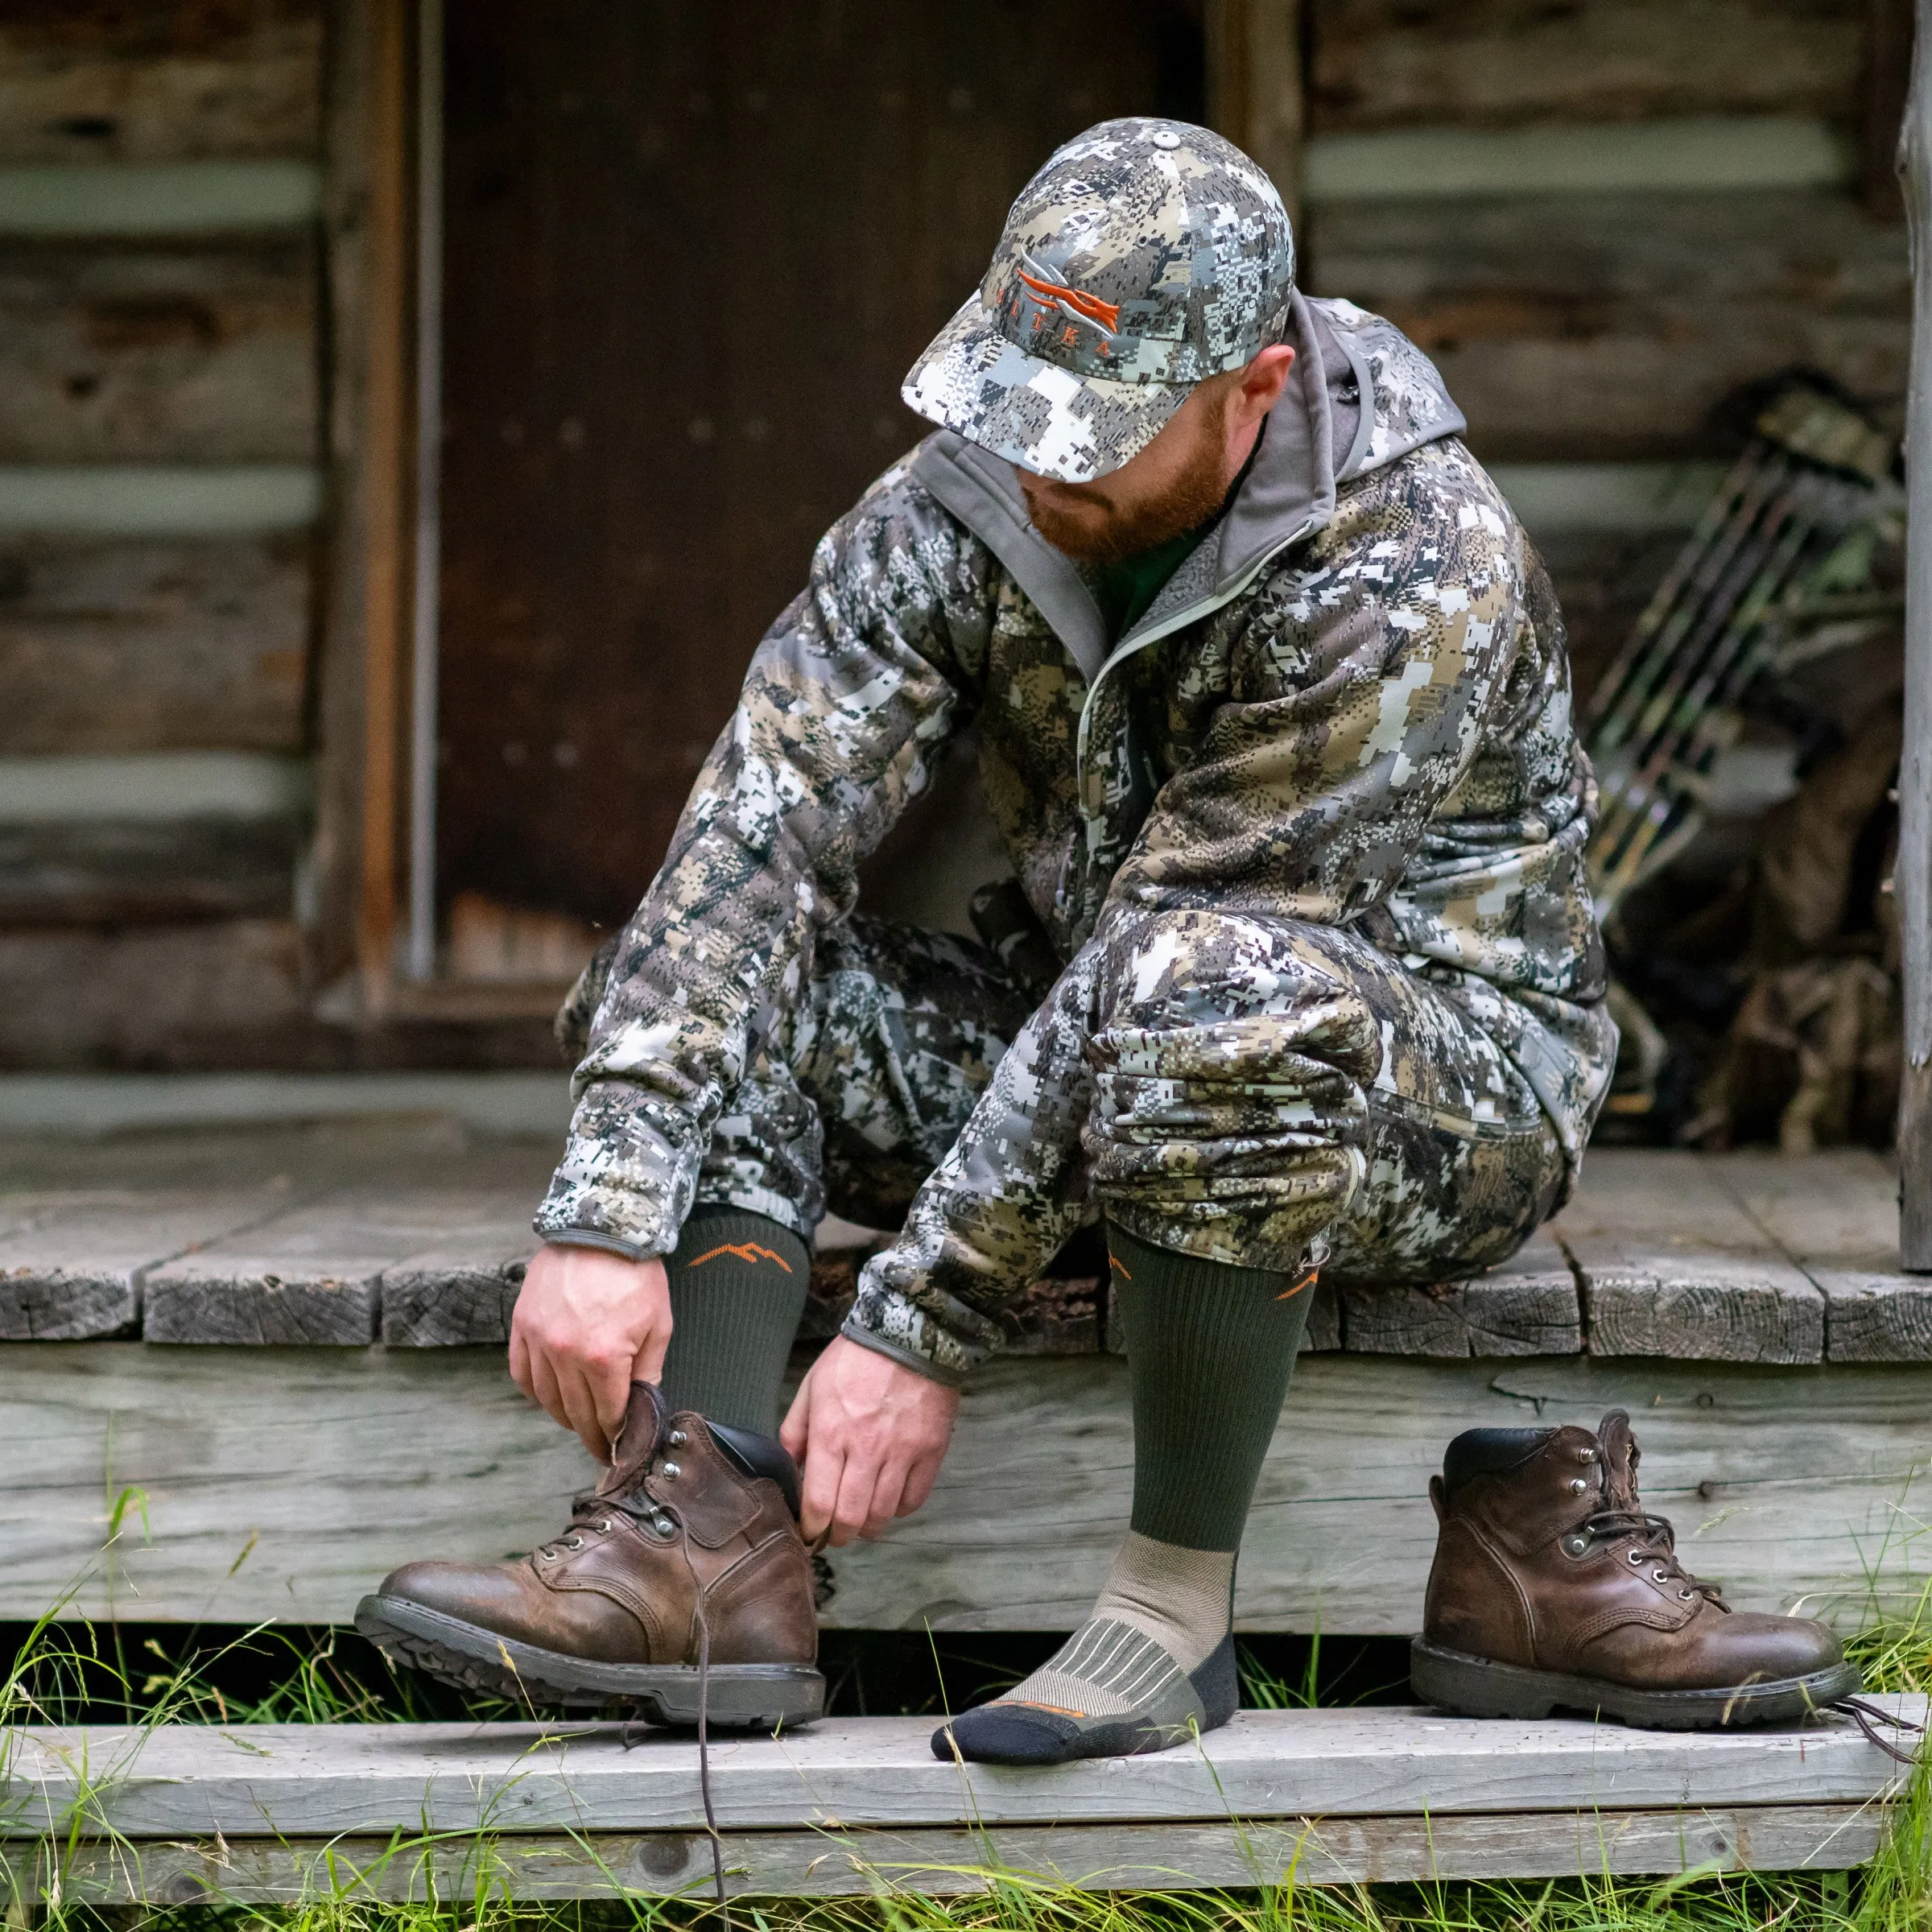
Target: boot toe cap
(1753, 1646)
(468, 1590)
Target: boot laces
(1656, 1540)
(588, 1511)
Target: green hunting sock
(738, 1282)
(1210, 1349)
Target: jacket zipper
(1138, 641)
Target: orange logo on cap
(1075, 302)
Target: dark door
(691, 251)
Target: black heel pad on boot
(1489, 1452)
(757, 1455)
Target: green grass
(67, 1670)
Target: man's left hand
(871, 1435)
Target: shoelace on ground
(1867, 1716)
(626, 1739)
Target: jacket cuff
(854, 1331)
(627, 1177)
(586, 1237)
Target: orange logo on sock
(744, 1251)
(1113, 1261)
(1307, 1281)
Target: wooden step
(1744, 1257)
(1326, 1797)
(283, 1478)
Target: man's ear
(1263, 379)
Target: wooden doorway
(690, 254)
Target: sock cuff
(1137, 1261)
(721, 1234)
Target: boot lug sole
(1479, 1686)
(749, 1696)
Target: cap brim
(1047, 419)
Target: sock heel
(1217, 1683)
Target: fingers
(583, 1409)
(887, 1489)
(919, 1480)
(794, 1432)
(648, 1366)
(858, 1478)
(519, 1361)
(818, 1493)
(543, 1389)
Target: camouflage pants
(1253, 1089)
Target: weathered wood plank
(147, 871)
(462, 1288)
(348, 1462)
(937, 1861)
(311, 1780)
(149, 355)
(314, 1275)
(77, 1269)
(1673, 1267)
(1613, 325)
(1527, 1305)
(148, 647)
(152, 784)
(158, 501)
(1836, 1215)
(208, 994)
(1382, 63)
(105, 84)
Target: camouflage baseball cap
(1145, 256)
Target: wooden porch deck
(263, 1813)
(289, 1343)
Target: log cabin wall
(160, 384)
(1601, 218)
(185, 305)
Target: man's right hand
(588, 1324)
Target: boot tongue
(637, 1441)
(1620, 1454)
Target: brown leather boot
(1552, 1588)
(688, 1550)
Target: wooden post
(423, 623)
(1254, 85)
(385, 452)
(366, 220)
(1914, 872)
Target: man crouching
(1274, 716)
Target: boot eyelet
(1578, 1485)
(1585, 1455)
(672, 1472)
(1660, 1576)
(664, 1526)
(1577, 1546)
(573, 1543)
(1685, 1596)
(1636, 1557)
(602, 1525)
(677, 1438)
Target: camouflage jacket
(1350, 704)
